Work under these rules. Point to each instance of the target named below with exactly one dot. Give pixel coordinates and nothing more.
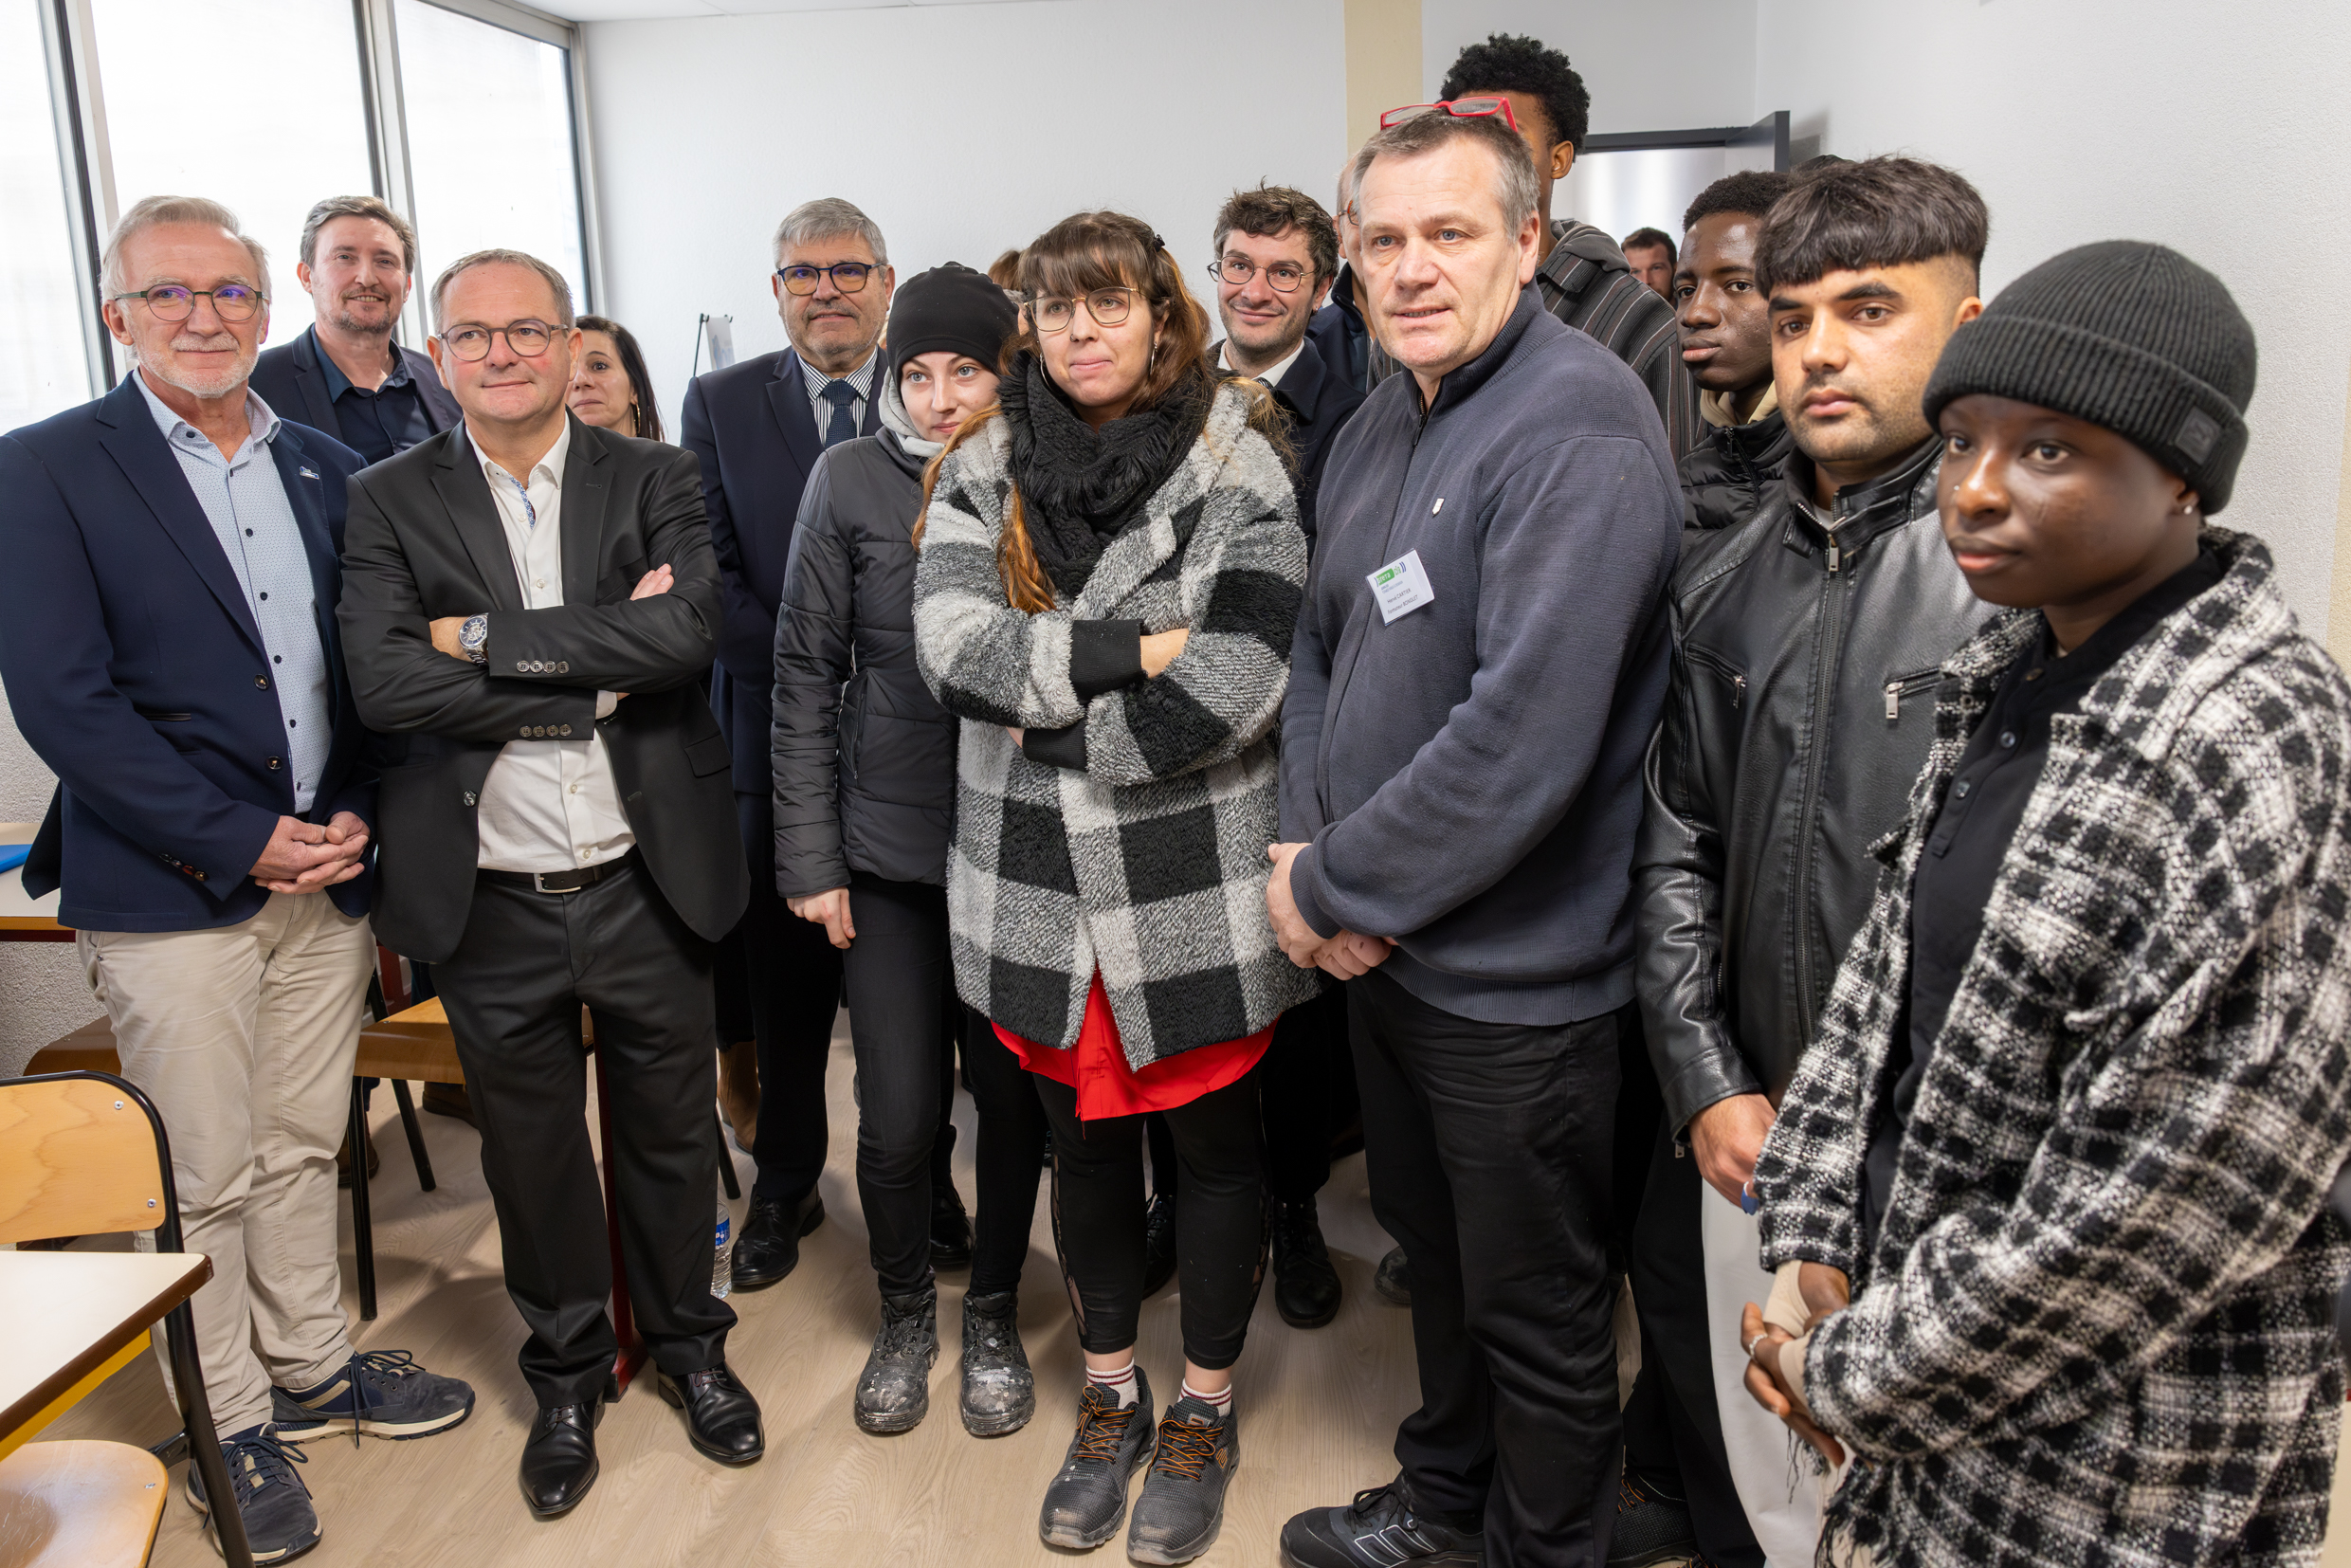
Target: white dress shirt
(1270, 377)
(547, 805)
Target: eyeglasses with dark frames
(172, 302)
(1283, 276)
(470, 341)
(848, 277)
(1107, 306)
(1460, 108)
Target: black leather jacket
(1798, 712)
(1733, 471)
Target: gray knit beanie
(2124, 333)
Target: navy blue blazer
(136, 671)
(1338, 332)
(1318, 401)
(293, 383)
(755, 435)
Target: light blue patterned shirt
(245, 500)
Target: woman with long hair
(865, 784)
(1110, 572)
(608, 384)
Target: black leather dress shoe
(722, 1417)
(769, 1248)
(559, 1458)
(950, 1229)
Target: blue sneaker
(279, 1522)
(381, 1394)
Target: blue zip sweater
(1469, 775)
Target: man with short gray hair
(344, 374)
(1476, 674)
(758, 427)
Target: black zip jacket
(1798, 712)
(1733, 471)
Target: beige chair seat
(79, 1505)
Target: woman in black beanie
(865, 783)
(2047, 1201)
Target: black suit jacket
(293, 383)
(1318, 399)
(753, 429)
(423, 540)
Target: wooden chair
(84, 1154)
(80, 1505)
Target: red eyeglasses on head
(1460, 108)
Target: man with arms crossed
(532, 601)
(1475, 676)
(1808, 641)
(171, 652)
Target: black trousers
(903, 1020)
(1673, 1430)
(527, 964)
(1488, 1150)
(1306, 1086)
(1220, 1218)
(779, 983)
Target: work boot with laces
(1087, 1502)
(894, 1390)
(1182, 1505)
(999, 1391)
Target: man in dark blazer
(170, 651)
(531, 602)
(344, 374)
(759, 428)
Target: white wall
(1650, 65)
(2219, 132)
(960, 130)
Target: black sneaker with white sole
(1381, 1528)
(1182, 1505)
(378, 1394)
(1087, 1502)
(279, 1522)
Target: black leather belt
(562, 882)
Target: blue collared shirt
(379, 424)
(244, 498)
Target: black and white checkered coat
(2098, 1325)
(1150, 864)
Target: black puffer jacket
(1733, 470)
(864, 755)
(1800, 710)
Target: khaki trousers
(245, 1037)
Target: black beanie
(2124, 333)
(949, 309)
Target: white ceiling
(631, 11)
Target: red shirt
(1096, 1066)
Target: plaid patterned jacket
(1150, 864)
(2099, 1325)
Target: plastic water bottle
(723, 1256)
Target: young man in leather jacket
(1726, 343)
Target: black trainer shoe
(1087, 1502)
(999, 1391)
(894, 1390)
(1305, 1287)
(1652, 1527)
(1158, 1242)
(1381, 1528)
(950, 1229)
(279, 1522)
(768, 1246)
(1389, 1279)
(1182, 1505)
(380, 1393)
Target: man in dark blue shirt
(345, 375)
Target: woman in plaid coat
(1110, 570)
(2047, 1195)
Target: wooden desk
(24, 919)
(71, 1319)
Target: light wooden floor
(1318, 1407)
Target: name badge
(1401, 586)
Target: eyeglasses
(1285, 276)
(1460, 108)
(527, 338)
(1107, 306)
(170, 302)
(848, 277)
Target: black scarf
(1082, 487)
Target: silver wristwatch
(473, 636)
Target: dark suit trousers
(1307, 1082)
(514, 989)
(1488, 1148)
